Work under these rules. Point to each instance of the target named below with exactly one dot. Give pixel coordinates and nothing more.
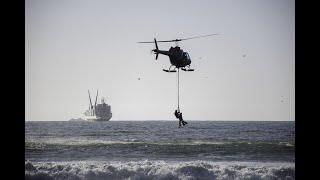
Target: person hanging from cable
(178, 115)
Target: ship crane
(95, 104)
(90, 107)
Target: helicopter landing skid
(166, 70)
(184, 69)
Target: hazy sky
(245, 73)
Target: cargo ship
(98, 112)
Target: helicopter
(178, 57)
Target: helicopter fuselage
(177, 56)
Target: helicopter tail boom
(157, 51)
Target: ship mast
(91, 107)
(95, 103)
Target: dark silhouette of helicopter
(178, 58)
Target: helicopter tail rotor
(156, 50)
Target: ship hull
(101, 119)
(94, 118)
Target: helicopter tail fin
(156, 50)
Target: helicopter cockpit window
(186, 55)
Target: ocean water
(159, 150)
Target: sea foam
(82, 170)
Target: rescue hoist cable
(178, 90)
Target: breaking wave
(83, 170)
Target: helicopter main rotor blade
(198, 37)
(146, 42)
(159, 41)
(176, 40)
(171, 40)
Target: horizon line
(155, 120)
